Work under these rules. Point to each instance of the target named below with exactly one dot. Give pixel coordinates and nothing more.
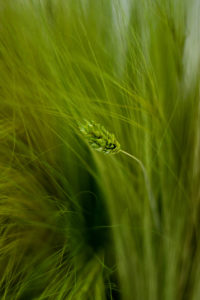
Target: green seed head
(99, 138)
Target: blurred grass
(76, 224)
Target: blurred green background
(75, 223)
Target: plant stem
(152, 201)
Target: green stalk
(151, 197)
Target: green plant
(103, 141)
(75, 224)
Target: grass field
(78, 224)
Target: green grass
(76, 224)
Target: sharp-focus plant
(103, 141)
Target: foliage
(76, 224)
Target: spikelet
(99, 138)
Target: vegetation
(75, 223)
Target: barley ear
(99, 138)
